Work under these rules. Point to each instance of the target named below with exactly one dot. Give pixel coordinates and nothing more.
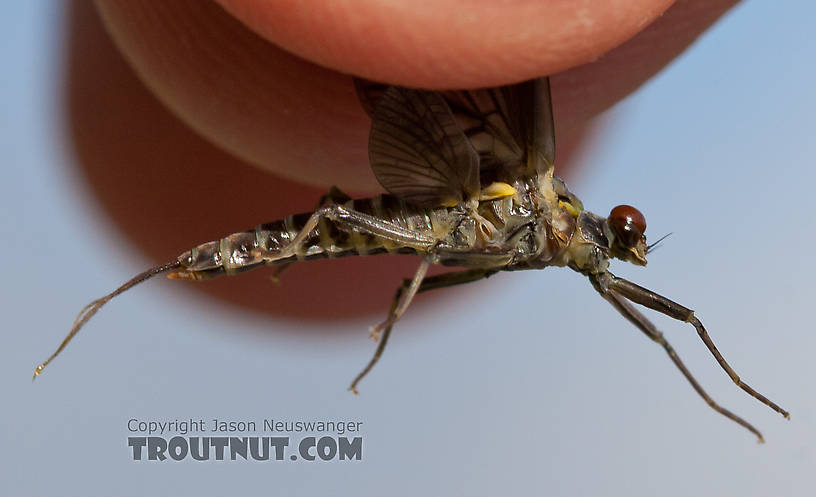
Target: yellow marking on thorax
(495, 190)
(569, 208)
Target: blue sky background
(541, 388)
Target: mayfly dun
(470, 184)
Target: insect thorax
(529, 229)
(588, 251)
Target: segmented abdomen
(239, 252)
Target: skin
(263, 80)
(483, 44)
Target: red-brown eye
(626, 214)
(628, 223)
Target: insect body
(471, 184)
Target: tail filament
(92, 308)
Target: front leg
(661, 304)
(618, 291)
(635, 317)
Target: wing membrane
(510, 127)
(418, 151)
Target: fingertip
(302, 121)
(258, 102)
(447, 44)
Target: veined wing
(510, 127)
(418, 151)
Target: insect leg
(638, 319)
(403, 302)
(334, 196)
(351, 220)
(430, 283)
(661, 304)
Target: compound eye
(628, 223)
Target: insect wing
(369, 93)
(511, 127)
(418, 152)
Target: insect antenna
(92, 308)
(656, 245)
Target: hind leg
(349, 220)
(426, 284)
(333, 196)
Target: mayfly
(471, 185)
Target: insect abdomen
(246, 250)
